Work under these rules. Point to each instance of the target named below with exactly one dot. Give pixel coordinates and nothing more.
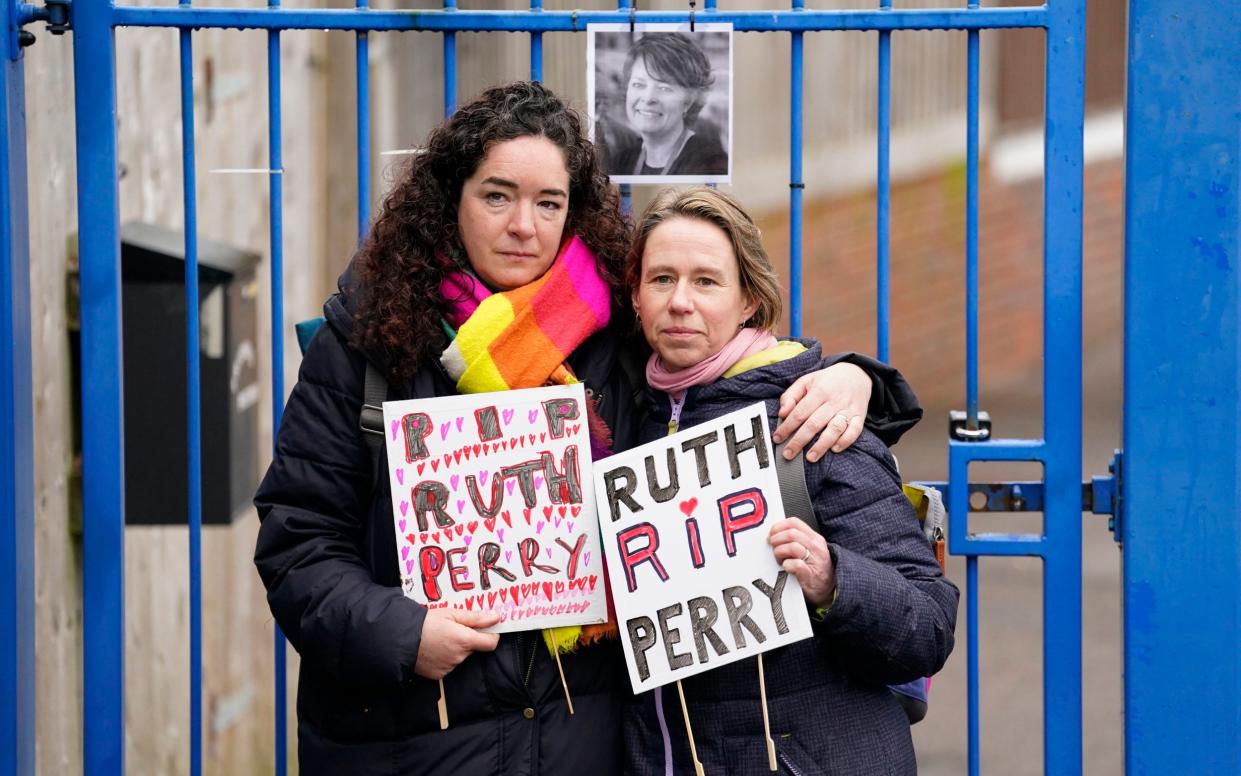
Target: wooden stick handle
(693, 750)
(443, 707)
(762, 694)
(563, 683)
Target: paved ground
(1010, 605)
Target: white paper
(493, 506)
(711, 562)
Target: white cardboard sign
(493, 506)
(684, 524)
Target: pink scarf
(746, 342)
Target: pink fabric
(747, 342)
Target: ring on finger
(842, 416)
(806, 557)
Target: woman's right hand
(449, 636)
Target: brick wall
(927, 248)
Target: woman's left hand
(832, 401)
(802, 551)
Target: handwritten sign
(493, 505)
(684, 522)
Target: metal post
(1182, 413)
(103, 428)
(17, 584)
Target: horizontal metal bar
(998, 544)
(452, 20)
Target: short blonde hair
(758, 278)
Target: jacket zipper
(530, 666)
(792, 768)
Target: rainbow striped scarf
(520, 339)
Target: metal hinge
(55, 13)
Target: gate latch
(55, 13)
(1102, 495)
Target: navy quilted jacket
(892, 622)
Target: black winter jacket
(326, 552)
(892, 621)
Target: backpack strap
(371, 416)
(793, 490)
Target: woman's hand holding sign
(802, 551)
(449, 636)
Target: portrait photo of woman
(661, 101)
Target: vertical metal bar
(971, 232)
(796, 185)
(536, 46)
(275, 166)
(1062, 387)
(626, 193)
(971, 654)
(103, 429)
(882, 190)
(364, 130)
(450, 65)
(1182, 358)
(17, 557)
(192, 400)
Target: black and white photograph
(660, 101)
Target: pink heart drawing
(539, 528)
(586, 558)
(508, 416)
(532, 416)
(405, 552)
(483, 476)
(537, 481)
(404, 509)
(444, 427)
(396, 426)
(400, 475)
(508, 555)
(500, 534)
(409, 567)
(510, 485)
(460, 505)
(469, 539)
(454, 480)
(459, 422)
(569, 525)
(549, 552)
(401, 525)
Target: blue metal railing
(1059, 546)
(17, 551)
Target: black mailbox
(153, 321)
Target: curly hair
(674, 57)
(414, 242)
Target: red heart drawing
(435, 465)
(491, 598)
(688, 506)
(490, 523)
(435, 538)
(503, 593)
(526, 512)
(456, 457)
(421, 466)
(576, 510)
(472, 526)
(447, 459)
(562, 510)
(547, 590)
(460, 530)
(410, 538)
(507, 518)
(422, 537)
(476, 448)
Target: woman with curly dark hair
(507, 206)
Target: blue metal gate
(1059, 495)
